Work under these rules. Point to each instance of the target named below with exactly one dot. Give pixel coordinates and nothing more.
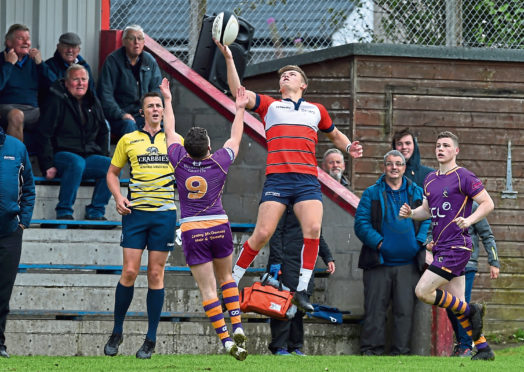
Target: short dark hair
(149, 94)
(448, 134)
(196, 142)
(14, 28)
(401, 133)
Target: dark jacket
(118, 89)
(20, 83)
(58, 66)
(285, 247)
(415, 171)
(61, 129)
(477, 231)
(368, 222)
(17, 187)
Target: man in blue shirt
(22, 74)
(391, 256)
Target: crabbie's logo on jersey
(152, 157)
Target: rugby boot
(476, 317)
(240, 338)
(147, 348)
(484, 354)
(111, 348)
(235, 351)
(300, 299)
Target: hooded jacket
(415, 171)
(58, 66)
(17, 187)
(61, 128)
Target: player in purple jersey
(449, 193)
(206, 235)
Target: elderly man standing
(67, 53)
(388, 256)
(74, 139)
(22, 74)
(128, 73)
(333, 163)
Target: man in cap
(66, 54)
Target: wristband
(348, 147)
(411, 214)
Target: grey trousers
(384, 285)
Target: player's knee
(421, 294)
(155, 277)
(15, 118)
(129, 274)
(313, 231)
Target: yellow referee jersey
(152, 182)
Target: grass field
(511, 359)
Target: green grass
(506, 360)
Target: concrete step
(88, 337)
(47, 198)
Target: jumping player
(148, 218)
(206, 234)
(291, 126)
(449, 193)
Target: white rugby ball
(225, 28)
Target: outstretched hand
(224, 49)
(164, 89)
(242, 98)
(355, 150)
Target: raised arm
(169, 115)
(342, 142)
(238, 123)
(232, 75)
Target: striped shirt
(291, 133)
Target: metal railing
(291, 27)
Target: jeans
(123, 126)
(72, 169)
(463, 340)
(10, 251)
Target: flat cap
(70, 38)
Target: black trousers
(384, 285)
(10, 251)
(287, 334)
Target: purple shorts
(202, 245)
(451, 259)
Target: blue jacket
(370, 214)
(118, 89)
(58, 67)
(17, 187)
(477, 231)
(20, 83)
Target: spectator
(333, 163)
(67, 53)
(285, 246)
(17, 199)
(74, 143)
(128, 73)
(22, 74)
(405, 142)
(389, 256)
(477, 231)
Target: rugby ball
(225, 28)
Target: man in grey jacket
(480, 230)
(128, 73)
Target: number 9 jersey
(200, 183)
